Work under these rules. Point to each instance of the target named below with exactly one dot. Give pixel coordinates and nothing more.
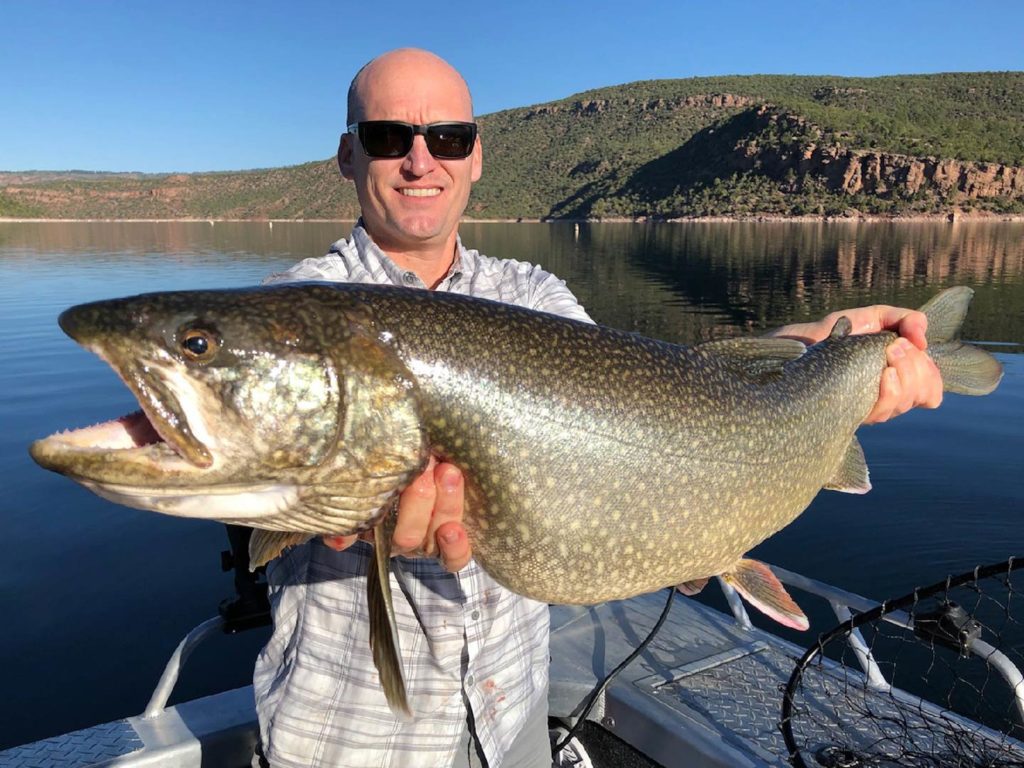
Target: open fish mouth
(158, 435)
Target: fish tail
(965, 368)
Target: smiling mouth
(418, 192)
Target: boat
(707, 691)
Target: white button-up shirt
(466, 641)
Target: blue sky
(141, 85)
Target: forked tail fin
(965, 369)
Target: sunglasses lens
(451, 140)
(385, 139)
(447, 141)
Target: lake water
(94, 596)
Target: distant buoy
(576, 231)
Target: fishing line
(592, 700)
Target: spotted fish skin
(599, 464)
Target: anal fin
(761, 588)
(383, 627)
(264, 546)
(852, 475)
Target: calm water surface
(94, 596)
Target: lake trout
(598, 464)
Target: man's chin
(422, 229)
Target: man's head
(412, 202)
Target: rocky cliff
(857, 171)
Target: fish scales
(599, 464)
(595, 460)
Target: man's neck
(431, 263)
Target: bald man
(475, 655)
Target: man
(475, 655)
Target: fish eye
(199, 345)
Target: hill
(728, 146)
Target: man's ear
(477, 159)
(345, 150)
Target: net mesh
(945, 690)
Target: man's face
(413, 201)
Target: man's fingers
(454, 546)
(448, 503)
(889, 394)
(415, 506)
(910, 381)
(913, 326)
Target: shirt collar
(375, 260)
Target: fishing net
(931, 679)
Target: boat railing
(169, 678)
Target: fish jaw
(127, 461)
(156, 445)
(292, 416)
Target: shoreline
(953, 217)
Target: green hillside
(742, 145)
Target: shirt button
(470, 681)
(409, 278)
(474, 615)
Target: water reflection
(697, 281)
(947, 493)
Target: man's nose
(419, 161)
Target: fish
(598, 464)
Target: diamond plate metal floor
(89, 746)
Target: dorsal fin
(852, 473)
(753, 356)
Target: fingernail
(450, 479)
(897, 349)
(450, 537)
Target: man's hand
(429, 518)
(911, 378)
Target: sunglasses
(391, 138)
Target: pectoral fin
(852, 474)
(264, 546)
(383, 627)
(759, 586)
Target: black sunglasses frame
(428, 132)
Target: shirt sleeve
(329, 268)
(550, 294)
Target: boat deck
(706, 693)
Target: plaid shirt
(467, 643)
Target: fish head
(257, 406)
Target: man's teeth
(411, 192)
